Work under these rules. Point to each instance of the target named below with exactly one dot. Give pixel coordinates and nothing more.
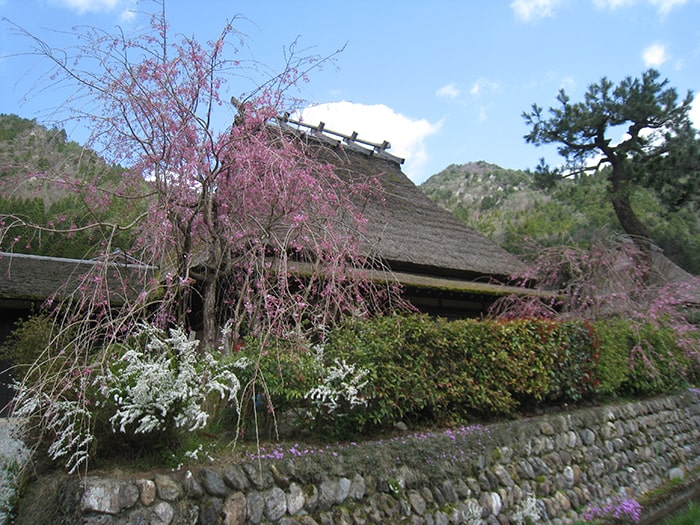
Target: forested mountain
(506, 206)
(54, 201)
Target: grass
(689, 516)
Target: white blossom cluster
(341, 382)
(159, 381)
(166, 382)
(67, 421)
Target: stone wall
(548, 467)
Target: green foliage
(427, 370)
(64, 214)
(688, 516)
(510, 210)
(27, 340)
(294, 381)
(666, 163)
(32, 347)
(640, 359)
(612, 370)
(12, 126)
(274, 379)
(45, 216)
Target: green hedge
(641, 359)
(423, 370)
(431, 370)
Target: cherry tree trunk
(209, 318)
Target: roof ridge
(320, 130)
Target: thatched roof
(406, 229)
(36, 278)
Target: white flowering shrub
(343, 386)
(156, 382)
(162, 382)
(66, 422)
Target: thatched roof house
(445, 267)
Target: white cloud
(530, 10)
(448, 91)
(87, 6)
(694, 114)
(126, 7)
(612, 4)
(665, 6)
(662, 6)
(377, 123)
(568, 83)
(483, 85)
(654, 55)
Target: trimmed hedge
(424, 370)
(427, 370)
(432, 370)
(641, 359)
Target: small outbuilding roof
(35, 278)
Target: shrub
(641, 358)
(295, 378)
(575, 355)
(160, 382)
(154, 387)
(394, 350)
(31, 343)
(427, 370)
(274, 379)
(612, 370)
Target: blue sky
(445, 81)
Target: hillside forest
(28, 153)
(510, 208)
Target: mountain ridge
(507, 206)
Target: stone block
(100, 495)
(235, 478)
(358, 488)
(191, 486)
(255, 506)
(108, 496)
(234, 510)
(275, 503)
(147, 491)
(295, 499)
(167, 488)
(162, 514)
(213, 483)
(210, 511)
